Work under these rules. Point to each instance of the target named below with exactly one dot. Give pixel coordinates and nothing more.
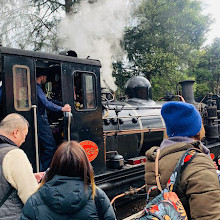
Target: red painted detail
(90, 148)
(174, 205)
(212, 156)
(154, 208)
(187, 158)
(136, 160)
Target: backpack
(167, 205)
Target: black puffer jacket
(65, 198)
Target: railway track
(129, 209)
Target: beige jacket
(198, 188)
(19, 173)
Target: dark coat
(198, 188)
(12, 207)
(65, 198)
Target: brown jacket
(198, 188)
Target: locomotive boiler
(133, 125)
(130, 127)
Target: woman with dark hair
(68, 189)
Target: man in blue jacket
(45, 136)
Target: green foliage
(207, 70)
(202, 90)
(166, 84)
(164, 38)
(121, 76)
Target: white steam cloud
(96, 30)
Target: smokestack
(187, 90)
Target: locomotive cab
(115, 134)
(69, 80)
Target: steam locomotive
(115, 134)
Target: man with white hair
(17, 181)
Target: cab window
(84, 90)
(21, 88)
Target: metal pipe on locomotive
(209, 108)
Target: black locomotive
(115, 134)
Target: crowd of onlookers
(67, 189)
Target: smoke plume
(96, 30)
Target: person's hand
(219, 162)
(39, 176)
(215, 164)
(66, 108)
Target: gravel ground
(130, 207)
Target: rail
(134, 216)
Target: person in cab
(45, 136)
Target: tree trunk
(68, 5)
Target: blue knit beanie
(181, 119)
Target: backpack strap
(185, 160)
(157, 175)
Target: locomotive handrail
(132, 116)
(36, 139)
(136, 108)
(68, 115)
(69, 121)
(122, 132)
(106, 114)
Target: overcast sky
(212, 7)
